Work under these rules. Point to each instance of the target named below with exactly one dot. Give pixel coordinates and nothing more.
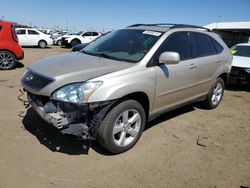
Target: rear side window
(178, 42)
(216, 45)
(94, 33)
(20, 32)
(204, 47)
(87, 34)
(32, 32)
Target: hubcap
(217, 93)
(42, 44)
(127, 127)
(6, 60)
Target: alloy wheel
(6, 60)
(127, 127)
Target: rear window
(32, 32)
(203, 45)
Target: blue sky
(113, 14)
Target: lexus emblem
(29, 78)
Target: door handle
(219, 61)
(192, 66)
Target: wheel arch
(224, 77)
(140, 97)
(42, 40)
(9, 52)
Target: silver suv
(111, 88)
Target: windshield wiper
(104, 55)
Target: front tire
(59, 42)
(215, 94)
(122, 127)
(42, 44)
(7, 60)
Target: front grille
(35, 81)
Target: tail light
(14, 35)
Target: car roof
(4, 22)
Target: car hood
(239, 61)
(76, 66)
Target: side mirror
(169, 58)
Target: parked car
(124, 79)
(78, 47)
(58, 34)
(33, 37)
(72, 40)
(240, 73)
(10, 50)
(58, 40)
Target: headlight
(76, 93)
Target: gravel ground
(34, 154)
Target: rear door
(174, 83)
(207, 59)
(33, 37)
(22, 37)
(87, 37)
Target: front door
(33, 37)
(174, 83)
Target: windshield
(125, 45)
(241, 50)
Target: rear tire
(215, 94)
(7, 60)
(75, 42)
(42, 44)
(122, 127)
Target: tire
(75, 42)
(122, 127)
(59, 42)
(215, 94)
(7, 60)
(42, 44)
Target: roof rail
(171, 26)
(188, 26)
(158, 24)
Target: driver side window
(177, 42)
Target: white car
(72, 40)
(240, 72)
(58, 39)
(33, 37)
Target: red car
(10, 50)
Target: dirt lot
(33, 154)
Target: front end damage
(76, 120)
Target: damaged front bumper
(239, 76)
(80, 121)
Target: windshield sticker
(152, 33)
(148, 42)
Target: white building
(232, 32)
